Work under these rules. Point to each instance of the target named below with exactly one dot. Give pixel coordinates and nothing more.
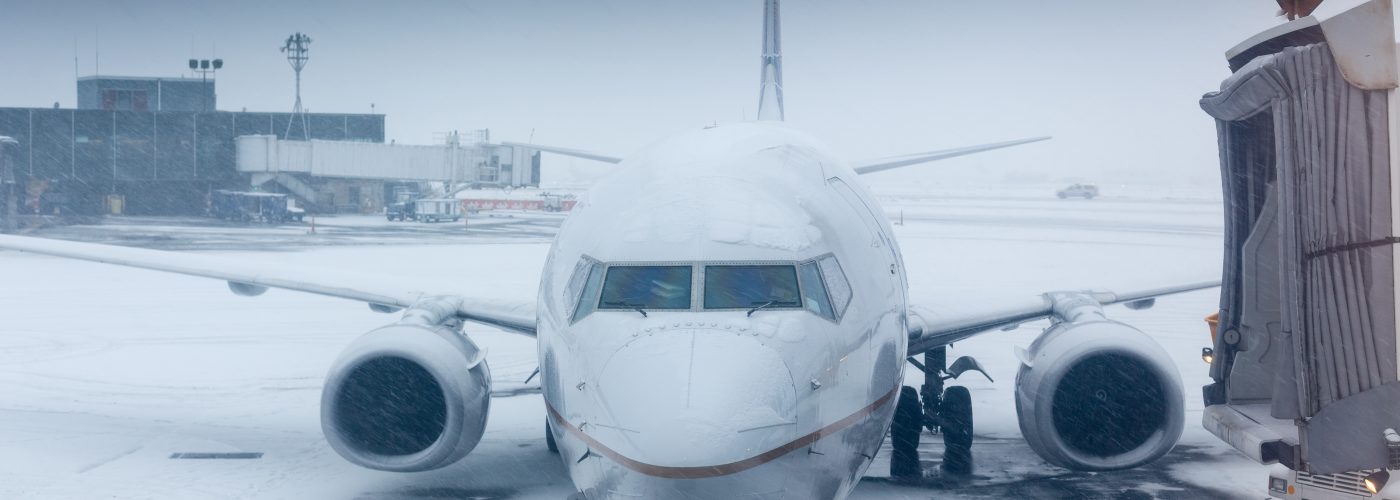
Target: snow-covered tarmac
(105, 372)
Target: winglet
(770, 90)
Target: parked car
(1086, 191)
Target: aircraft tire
(549, 437)
(957, 430)
(957, 460)
(904, 435)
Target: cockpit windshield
(816, 285)
(746, 287)
(646, 287)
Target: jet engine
(1094, 394)
(407, 397)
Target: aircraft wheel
(957, 430)
(904, 435)
(549, 437)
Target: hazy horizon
(1116, 83)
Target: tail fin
(770, 91)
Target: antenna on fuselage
(770, 90)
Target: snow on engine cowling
(1095, 394)
(407, 397)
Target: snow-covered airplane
(724, 316)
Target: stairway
(294, 185)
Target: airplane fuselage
(688, 391)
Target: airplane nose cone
(685, 398)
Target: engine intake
(1096, 395)
(407, 397)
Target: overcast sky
(1116, 82)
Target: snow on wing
(929, 329)
(383, 293)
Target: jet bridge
(267, 158)
(1305, 363)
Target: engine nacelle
(1096, 395)
(407, 397)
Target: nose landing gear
(948, 411)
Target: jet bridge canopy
(1306, 359)
(512, 165)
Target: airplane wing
(577, 153)
(876, 165)
(930, 329)
(381, 293)
(861, 167)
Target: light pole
(298, 49)
(204, 67)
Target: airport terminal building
(145, 144)
(124, 93)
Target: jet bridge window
(747, 287)
(646, 288)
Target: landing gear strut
(946, 410)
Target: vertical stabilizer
(770, 91)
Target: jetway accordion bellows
(1307, 349)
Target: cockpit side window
(574, 289)
(836, 285)
(814, 296)
(646, 287)
(588, 289)
(750, 286)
